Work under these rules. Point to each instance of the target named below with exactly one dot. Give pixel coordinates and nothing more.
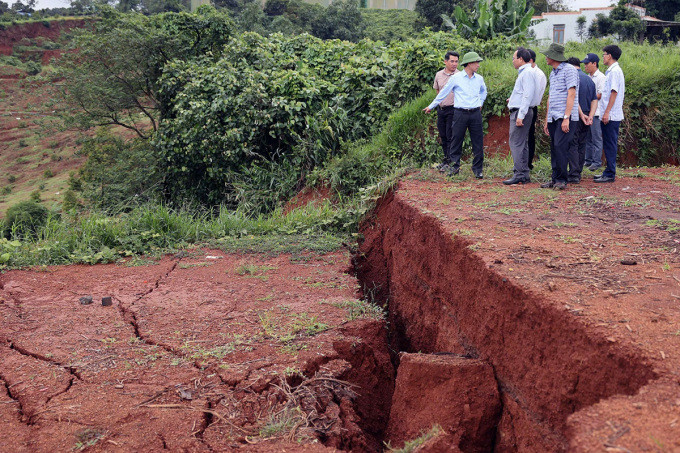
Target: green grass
(411, 445)
(156, 229)
(359, 309)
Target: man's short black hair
(523, 54)
(450, 54)
(574, 62)
(613, 50)
(533, 55)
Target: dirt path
(203, 352)
(573, 299)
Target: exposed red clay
(198, 353)
(458, 394)
(11, 36)
(531, 282)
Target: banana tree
(491, 18)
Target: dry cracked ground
(203, 352)
(518, 320)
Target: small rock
(85, 300)
(107, 301)
(185, 394)
(552, 286)
(118, 386)
(628, 262)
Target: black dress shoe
(560, 185)
(453, 171)
(597, 176)
(479, 176)
(574, 180)
(605, 179)
(547, 185)
(515, 180)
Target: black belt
(514, 110)
(446, 107)
(467, 110)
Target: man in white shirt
(521, 116)
(611, 110)
(594, 139)
(541, 82)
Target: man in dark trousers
(445, 110)
(587, 106)
(469, 94)
(541, 83)
(611, 110)
(561, 113)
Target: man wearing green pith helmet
(469, 94)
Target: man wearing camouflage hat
(469, 94)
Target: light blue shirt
(614, 81)
(523, 92)
(468, 92)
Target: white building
(561, 27)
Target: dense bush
(286, 102)
(24, 219)
(389, 25)
(118, 174)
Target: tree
(24, 8)
(544, 6)
(341, 20)
(432, 11)
(581, 27)
(508, 18)
(663, 9)
(621, 21)
(112, 78)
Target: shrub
(25, 219)
(48, 173)
(117, 173)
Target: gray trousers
(519, 143)
(594, 144)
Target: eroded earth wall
(444, 298)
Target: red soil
(11, 36)
(192, 356)
(458, 394)
(308, 195)
(531, 281)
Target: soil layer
(572, 297)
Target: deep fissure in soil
(442, 298)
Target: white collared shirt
(614, 81)
(523, 92)
(541, 82)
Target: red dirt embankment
(584, 349)
(200, 352)
(10, 36)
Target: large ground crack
(25, 352)
(130, 317)
(13, 397)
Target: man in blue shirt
(521, 116)
(562, 113)
(587, 105)
(469, 94)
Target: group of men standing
(583, 113)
